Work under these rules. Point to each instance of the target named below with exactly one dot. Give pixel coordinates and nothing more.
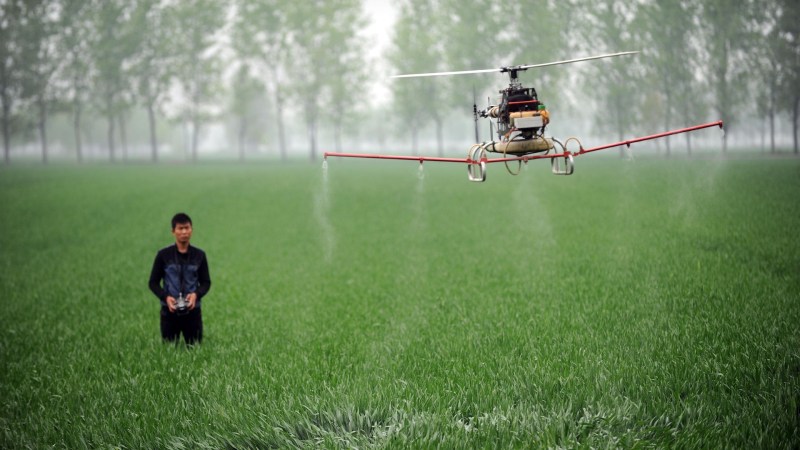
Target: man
(184, 272)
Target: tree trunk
(76, 127)
(43, 127)
(311, 121)
(414, 135)
(312, 138)
(773, 88)
(281, 132)
(111, 137)
(667, 116)
(795, 112)
(6, 100)
(195, 118)
(195, 138)
(771, 129)
(242, 137)
(722, 92)
(439, 136)
(312, 135)
(123, 137)
(6, 129)
(151, 120)
(6, 139)
(187, 139)
(337, 135)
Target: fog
(273, 80)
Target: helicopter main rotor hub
(513, 74)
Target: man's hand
(192, 299)
(171, 303)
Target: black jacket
(181, 273)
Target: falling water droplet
(322, 207)
(628, 154)
(420, 191)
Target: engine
(520, 114)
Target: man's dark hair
(180, 218)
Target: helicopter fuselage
(521, 121)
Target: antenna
(491, 131)
(475, 114)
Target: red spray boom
(476, 160)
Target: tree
(260, 41)
(667, 35)
(37, 32)
(151, 68)
(471, 38)
(197, 24)
(416, 49)
(323, 39)
(246, 106)
(73, 72)
(346, 89)
(11, 75)
(617, 83)
(729, 35)
(111, 46)
(788, 50)
(544, 28)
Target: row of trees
(107, 57)
(172, 58)
(254, 62)
(736, 60)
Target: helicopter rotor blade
(588, 58)
(441, 74)
(505, 69)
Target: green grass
(643, 304)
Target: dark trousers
(191, 325)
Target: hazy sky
(381, 15)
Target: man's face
(182, 232)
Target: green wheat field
(652, 303)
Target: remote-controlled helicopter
(519, 119)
